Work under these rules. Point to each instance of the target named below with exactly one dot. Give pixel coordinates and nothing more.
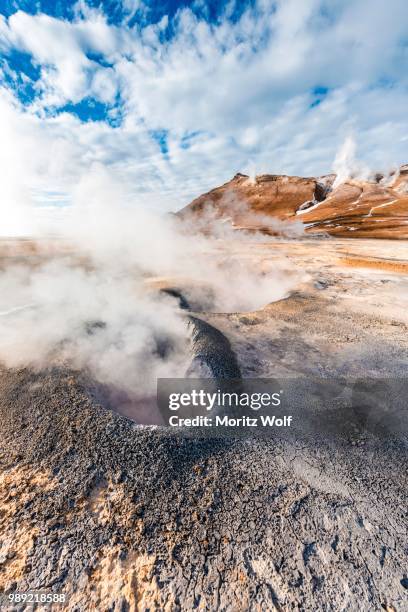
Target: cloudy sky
(170, 98)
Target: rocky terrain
(376, 208)
(125, 517)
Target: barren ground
(127, 518)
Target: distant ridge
(374, 208)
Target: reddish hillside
(355, 208)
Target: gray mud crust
(121, 517)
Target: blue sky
(131, 13)
(169, 99)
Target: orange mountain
(375, 208)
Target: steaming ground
(350, 317)
(104, 309)
(134, 518)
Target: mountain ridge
(376, 207)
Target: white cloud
(230, 96)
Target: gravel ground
(121, 517)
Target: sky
(161, 101)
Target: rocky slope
(376, 208)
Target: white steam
(345, 161)
(91, 299)
(346, 165)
